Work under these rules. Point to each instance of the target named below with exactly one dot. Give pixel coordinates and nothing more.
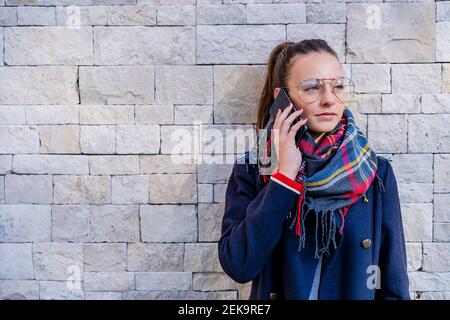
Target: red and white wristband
(287, 182)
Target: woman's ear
(276, 92)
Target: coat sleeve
(392, 262)
(252, 223)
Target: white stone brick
(415, 192)
(372, 78)
(24, 2)
(109, 281)
(54, 261)
(28, 189)
(193, 114)
(209, 221)
(414, 256)
(117, 114)
(441, 232)
(8, 16)
(201, 257)
(17, 262)
(205, 193)
(180, 141)
(52, 114)
(98, 139)
(219, 192)
(214, 173)
(74, 16)
(412, 168)
(366, 103)
(115, 223)
(213, 281)
(150, 164)
(442, 11)
(71, 223)
(59, 139)
(2, 189)
(131, 15)
(25, 223)
(441, 173)
(276, 13)
(221, 14)
(226, 139)
(436, 257)
(36, 16)
(95, 295)
(435, 295)
(179, 295)
(441, 205)
(243, 44)
(5, 163)
(114, 165)
(50, 164)
(73, 189)
(163, 281)
(326, 13)
(236, 90)
(184, 84)
(155, 256)
(168, 223)
(387, 133)
(48, 46)
(424, 281)
(375, 34)
(400, 103)
(12, 114)
(416, 78)
(104, 256)
(61, 290)
(138, 139)
(334, 34)
(183, 188)
(116, 84)
(429, 133)
(130, 189)
(442, 41)
(19, 290)
(417, 221)
(176, 15)
(143, 45)
(435, 103)
(38, 85)
(154, 114)
(19, 139)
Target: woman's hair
(278, 67)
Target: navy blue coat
(257, 245)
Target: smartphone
(281, 102)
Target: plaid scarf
(336, 172)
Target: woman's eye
(311, 88)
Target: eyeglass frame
(322, 86)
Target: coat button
(273, 296)
(366, 243)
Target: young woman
(326, 223)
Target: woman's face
(310, 66)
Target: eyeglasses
(311, 90)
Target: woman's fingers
(288, 121)
(282, 115)
(295, 127)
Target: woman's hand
(289, 155)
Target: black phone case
(281, 102)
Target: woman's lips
(326, 116)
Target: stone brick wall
(92, 91)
